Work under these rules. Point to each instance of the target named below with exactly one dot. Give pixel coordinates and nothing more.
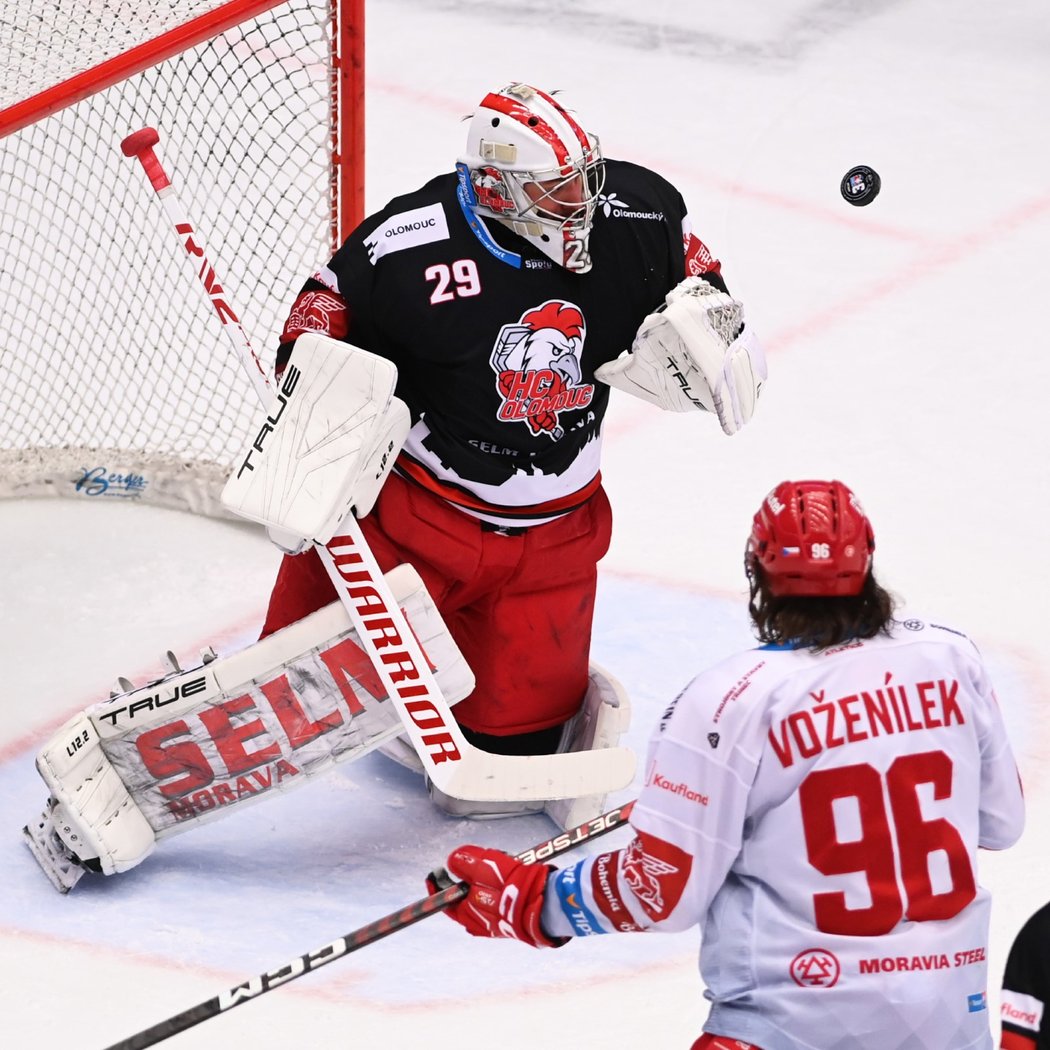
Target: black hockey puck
(860, 185)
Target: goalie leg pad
(197, 744)
(603, 719)
(401, 751)
(92, 812)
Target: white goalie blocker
(326, 446)
(694, 353)
(199, 744)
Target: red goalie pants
(519, 607)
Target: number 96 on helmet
(811, 539)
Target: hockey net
(116, 378)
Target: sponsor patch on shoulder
(1025, 1011)
(406, 230)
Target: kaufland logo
(1026, 1011)
(1026, 1018)
(679, 788)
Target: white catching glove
(693, 354)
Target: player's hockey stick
(351, 942)
(456, 767)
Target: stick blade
(484, 777)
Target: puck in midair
(860, 185)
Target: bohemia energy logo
(537, 366)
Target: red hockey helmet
(812, 539)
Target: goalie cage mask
(811, 539)
(530, 165)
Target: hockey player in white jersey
(815, 805)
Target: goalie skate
(57, 860)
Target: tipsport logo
(537, 366)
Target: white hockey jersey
(818, 815)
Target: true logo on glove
(288, 384)
(678, 374)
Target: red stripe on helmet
(523, 115)
(580, 134)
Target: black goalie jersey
(496, 345)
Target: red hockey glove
(505, 897)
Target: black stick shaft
(350, 942)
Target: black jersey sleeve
(1026, 985)
(316, 308)
(334, 300)
(646, 189)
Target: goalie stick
(351, 942)
(454, 766)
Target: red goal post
(116, 384)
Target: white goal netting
(117, 378)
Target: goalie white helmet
(530, 165)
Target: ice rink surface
(905, 346)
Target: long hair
(819, 622)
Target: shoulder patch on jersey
(1024, 1011)
(407, 229)
(656, 871)
(317, 312)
